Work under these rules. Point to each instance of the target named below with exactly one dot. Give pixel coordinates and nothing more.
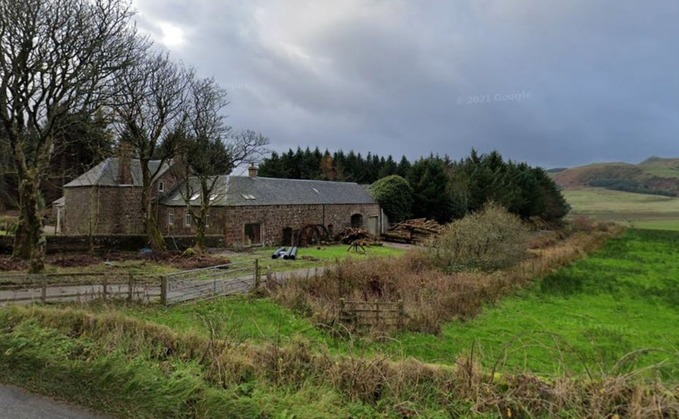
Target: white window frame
(161, 186)
(187, 218)
(170, 218)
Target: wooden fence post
(43, 290)
(130, 282)
(401, 315)
(163, 290)
(104, 287)
(257, 277)
(341, 310)
(377, 313)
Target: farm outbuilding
(243, 209)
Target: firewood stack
(349, 235)
(416, 230)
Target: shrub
(395, 196)
(489, 239)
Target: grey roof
(106, 173)
(246, 191)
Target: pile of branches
(350, 235)
(416, 230)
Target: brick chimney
(252, 170)
(124, 163)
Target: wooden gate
(372, 315)
(205, 283)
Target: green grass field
(584, 318)
(663, 167)
(611, 314)
(598, 315)
(630, 209)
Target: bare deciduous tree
(210, 150)
(56, 57)
(150, 108)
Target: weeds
(430, 297)
(158, 372)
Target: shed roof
(249, 191)
(106, 173)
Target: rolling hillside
(655, 175)
(643, 195)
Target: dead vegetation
(175, 259)
(402, 388)
(431, 296)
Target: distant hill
(655, 175)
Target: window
(207, 220)
(161, 186)
(170, 218)
(356, 221)
(187, 218)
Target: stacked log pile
(416, 230)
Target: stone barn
(256, 210)
(107, 198)
(243, 209)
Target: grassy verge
(593, 339)
(146, 370)
(133, 368)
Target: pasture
(589, 333)
(614, 311)
(630, 209)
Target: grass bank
(613, 312)
(132, 368)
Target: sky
(552, 82)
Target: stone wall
(272, 219)
(103, 210)
(104, 244)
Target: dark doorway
(356, 221)
(287, 237)
(253, 234)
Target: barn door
(373, 225)
(253, 234)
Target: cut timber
(416, 230)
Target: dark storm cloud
(552, 82)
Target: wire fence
(169, 289)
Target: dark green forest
(439, 187)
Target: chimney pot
(125, 163)
(252, 170)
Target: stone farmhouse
(243, 210)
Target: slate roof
(106, 173)
(247, 191)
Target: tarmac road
(17, 403)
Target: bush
(489, 239)
(395, 196)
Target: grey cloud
(396, 77)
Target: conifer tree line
(433, 187)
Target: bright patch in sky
(172, 35)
